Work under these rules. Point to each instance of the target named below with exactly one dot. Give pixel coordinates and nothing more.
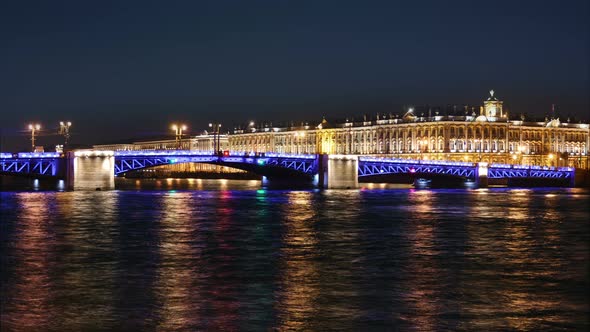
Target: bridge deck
(48, 164)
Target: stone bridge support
(338, 171)
(90, 170)
(481, 175)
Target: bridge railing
(24, 155)
(145, 153)
(529, 171)
(379, 166)
(533, 167)
(30, 163)
(133, 160)
(416, 161)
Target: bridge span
(86, 169)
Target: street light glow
(178, 129)
(216, 137)
(33, 128)
(64, 129)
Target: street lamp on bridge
(33, 128)
(216, 127)
(178, 129)
(64, 129)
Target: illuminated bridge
(33, 164)
(377, 166)
(126, 161)
(328, 171)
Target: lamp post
(33, 128)
(551, 156)
(251, 129)
(64, 129)
(178, 129)
(215, 127)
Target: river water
(230, 256)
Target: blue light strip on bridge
(142, 153)
(39, 155)
(412, 161)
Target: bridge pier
(580, 178)
(338, 171)
(90, 170)
(481, 175)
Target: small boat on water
(470, 183)
(422, 182)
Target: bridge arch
(375, 168)
(271, 166)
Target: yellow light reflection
(300, 278)
(31, 307)
(523, 245)
(178, 265)
(421, 273)
(96, 281)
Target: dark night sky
(125, 69)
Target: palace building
(490, 136)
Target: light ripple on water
(496, 259)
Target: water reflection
(383, 259)
(31, 300)
(516, 269)
(87, 262)
(175, 289)
(339, 234)
(185, 184)
(223, 303)
(299, 281)
(421, 274)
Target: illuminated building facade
(488, 137)
(200, 143)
